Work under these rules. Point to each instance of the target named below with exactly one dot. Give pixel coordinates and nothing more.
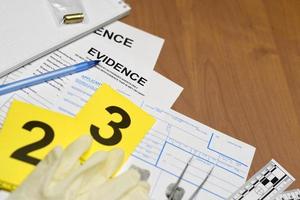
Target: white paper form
(15, 75)
(32, 94)
(115, 55)
(5, 99)
(122, 37)
(161, 91)
(2, 80)
(174, 139)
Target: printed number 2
(116, 126)
(22, 153)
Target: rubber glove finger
(52, 156)
(94, 177)
(113, 162)
(71, 156)
(140, 191)
(95, 171)
(37, 177)
(89, 172)
(44, 165)
(117, 187)
(98, 175)
(88, 176)
(67, 163)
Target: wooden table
(239, 64)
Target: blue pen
(10, 87)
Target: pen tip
(96, 61)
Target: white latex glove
(60, 176)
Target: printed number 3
(116, 126)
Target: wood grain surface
(239, 64)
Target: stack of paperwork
(128, 57)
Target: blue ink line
(208, 147)
(197, 128)
(143, 160)
(176, 176)
(192, 183)
(206, 160)
(160, 153)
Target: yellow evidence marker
(114, 121)
(30, 132)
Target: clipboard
(29, 31)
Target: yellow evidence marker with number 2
(30, 132)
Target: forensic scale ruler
(290, 195)
(266, 184)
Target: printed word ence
(118, 38)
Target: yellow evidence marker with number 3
(30, 132)
(114, 121)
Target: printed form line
(208, 147)
(183, 179)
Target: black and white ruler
(289, 195)
(266, 184)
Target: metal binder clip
(177, 193)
